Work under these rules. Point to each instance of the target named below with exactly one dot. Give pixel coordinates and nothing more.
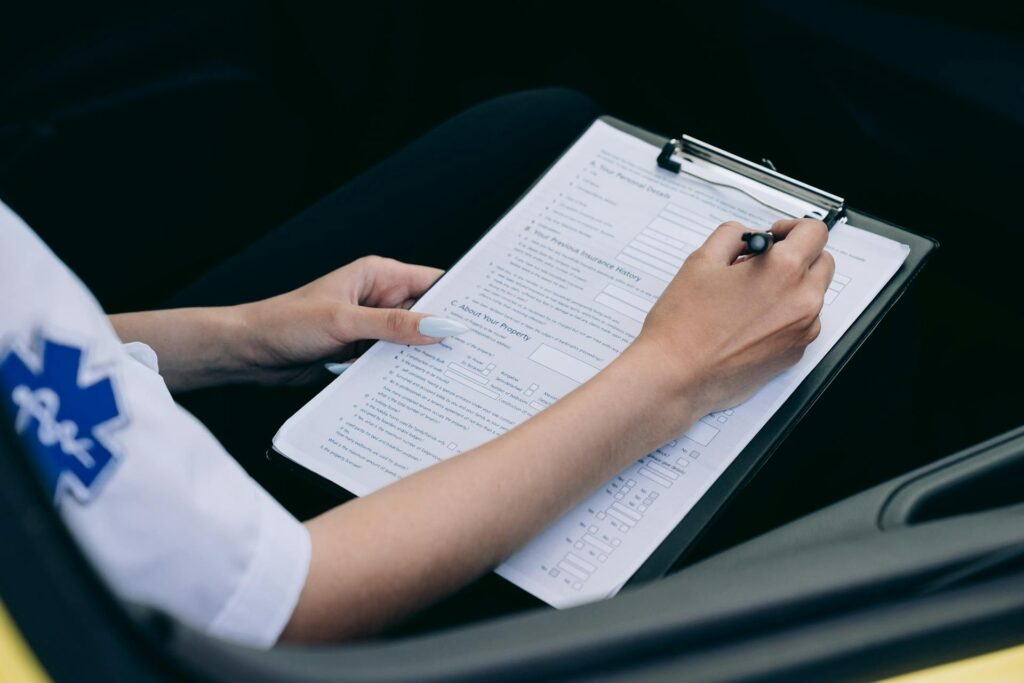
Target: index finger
(418, 278)
(803, 236)
(391, 282)
(726, 243)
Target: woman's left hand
(293, 334)
(286, 339)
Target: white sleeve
(179, 524)
(168, 518)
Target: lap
(427, 203)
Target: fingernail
(337, 368)
(441, 327)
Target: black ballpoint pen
(760, 242)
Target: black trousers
(426, 204)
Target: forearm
(381, 557)
(196, 347)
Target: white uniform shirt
(168, 518)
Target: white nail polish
(337, 368)
(441, 327)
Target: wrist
(667, 386)
(224, 348)
(251, 353)
(196, 347)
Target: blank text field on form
(702, 433)
(626, 303)
(700, 224)
(463, 380)
(563, 363)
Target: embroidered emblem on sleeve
(59, 421)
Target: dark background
(147, 141)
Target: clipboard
(786, 418)
(672, 158)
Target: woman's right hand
(724, 327)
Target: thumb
(400, 326)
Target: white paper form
(552, 294)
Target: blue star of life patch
(58, 419)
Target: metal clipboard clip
(832, 206)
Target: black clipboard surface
(785, 419)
